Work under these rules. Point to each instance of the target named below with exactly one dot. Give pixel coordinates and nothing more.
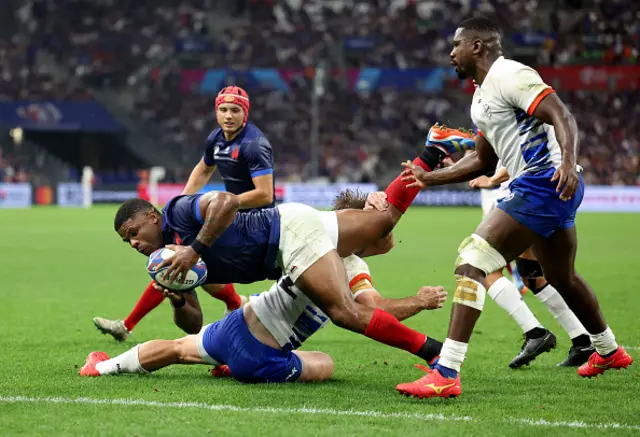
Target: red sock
(386, 329)
(510, 269)
(229, 296)
(149, 300)
(397, 192)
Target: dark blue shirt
(246, 252)
(240, 160)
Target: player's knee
(180, 350)
(563, 280)
(531, 273)
(328, 367)
(344, 318)
(476, 252)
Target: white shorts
(201, 350)
(306, 235)
(489, 199)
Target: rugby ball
(195, 277)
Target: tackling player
(523, 123)
(290, 239)
(243, 155)
(260, 342)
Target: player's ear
(477, 46)
(153, 215)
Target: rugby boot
(597, 364)
(450, 140)
(115, 328)
(89, 368)
(432, 385)
(578, 355)
(532, 347)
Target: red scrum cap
(235, 95)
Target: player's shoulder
(214, 136)
(253, 135)
(506, 68)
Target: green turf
(61, 267)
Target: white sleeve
(357, 270)
(524, 89)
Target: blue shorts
(534, 203)
(229, 341)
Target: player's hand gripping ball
(195, 277)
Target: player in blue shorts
(260, 342)
(523, 123)
(244, 157)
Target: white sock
(506, 295)
(127, 362)
(452, 354)
(560, 311)
(605, 342)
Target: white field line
(311, 411)
(631, 348)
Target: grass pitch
(61, 267)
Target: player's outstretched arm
(552, 111)
(475, 164)
(200, 175)
(187, 313)
(427, 298)
(501, 175)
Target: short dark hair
(129, 209)
(480, 23)
(350, 199)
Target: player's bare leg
(326, 284)
(317, 366)
(508, 238)
(537, 339)
(557, 255)
(147, 357)
(581, 348)
(498, 239)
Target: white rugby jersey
(291, 317)
(502, 110)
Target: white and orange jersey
(502, 109)
(291, 317)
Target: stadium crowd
(120, 38)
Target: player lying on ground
(537, 339)
(249, 247)
(259, 343)
(292, 238)
(523, 123)
(244, 157)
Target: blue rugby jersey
(240, 160)
(246, 252)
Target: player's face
(143, 232)
(230, 117)
(462, 55)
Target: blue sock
(445, 371)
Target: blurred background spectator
(133, 56)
